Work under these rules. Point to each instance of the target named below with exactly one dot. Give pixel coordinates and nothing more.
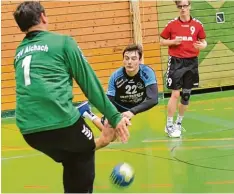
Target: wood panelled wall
(102, 30)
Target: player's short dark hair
(134, 47)
(28, 14)
(177, 2)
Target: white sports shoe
(178, 126)
(172, 131)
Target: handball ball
(122, 175)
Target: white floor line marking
(22, 156)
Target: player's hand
(115, 136)
(128, 114)
(122, 129)
(177, 41)
(199, 45)
(108, 133)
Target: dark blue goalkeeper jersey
(137, 93)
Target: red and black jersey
(189, 31)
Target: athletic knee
(175, 94)
(186, 93)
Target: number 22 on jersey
(26, 66)
(131, 89)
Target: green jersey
(45, 65)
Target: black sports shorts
(182, 73)
(74, 147)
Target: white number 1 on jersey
(26, 65)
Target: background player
(185, 37)
(132, 88)
(45, 64)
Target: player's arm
(111, 91)
(110, 94)
(98, 123)
(204, 42)
(201, 43)
(165, 37)
(118, 106)
(108, 135)
(89, 83)
(94, 118)
(91, 86)
(151, 95)
(168, 42)
(150, 101)
(111, 98)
